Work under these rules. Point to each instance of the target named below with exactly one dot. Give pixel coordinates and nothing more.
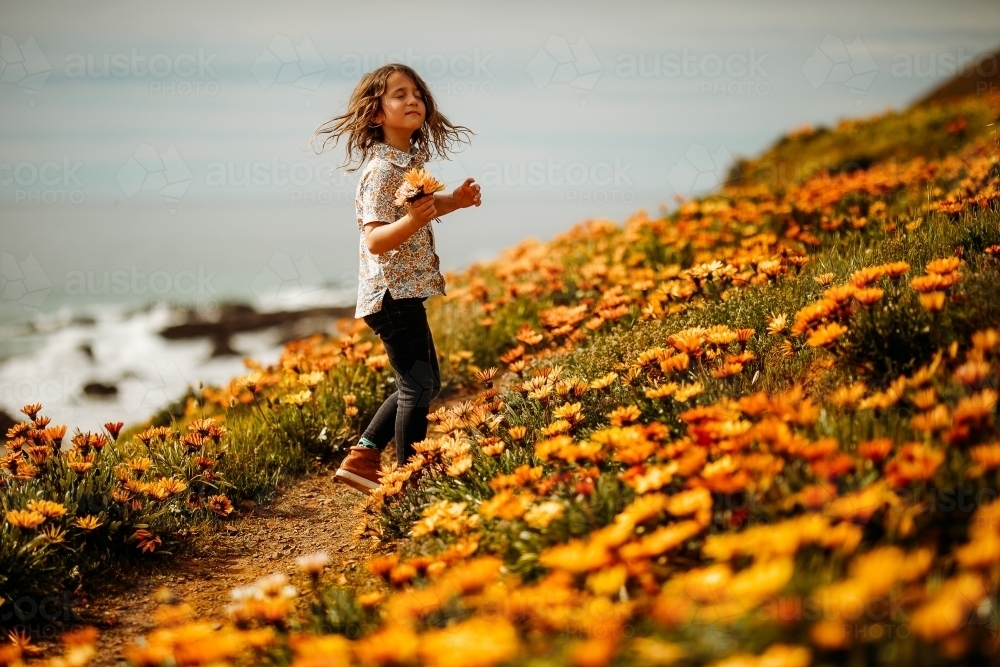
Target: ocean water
(115, 347)
(86, 291)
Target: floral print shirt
(413, 268)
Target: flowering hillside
(760, 430)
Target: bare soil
(315, 513)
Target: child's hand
(467, 194)
(423, 210)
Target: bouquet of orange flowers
(416, 184)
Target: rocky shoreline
(234, 318)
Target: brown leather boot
(361, 469)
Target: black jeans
(402, 326)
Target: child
(392, 122)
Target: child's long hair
(434, 138)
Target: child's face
(402, 104)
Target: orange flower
(25, 519)
(476, 642)
(146, 541)
(826, 335)
(688, 343)
(32, 409)
(576, 556)
(971, 373)
(47, 508)
(868, 296)
(914, 462)
(506, 504)
(848, 396)
(944, 265)
(986, 456)
(416, 184)
(875, 450)
(624, 414)
(87, 523)
(777, 323)
(933, 283)
(221, 505)
(727, 370)
(517, 432)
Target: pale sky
(144, 137)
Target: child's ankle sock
(365, 442)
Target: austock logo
(282, 61)
(559, 62)
(149, 170)
(286, 281)
(149, 385)
(699, 170)
(835, 62)
(23, 64)
(23, 281)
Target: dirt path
(312, 514)
(315, 513)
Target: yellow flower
(943, 265)
(826, 335)
(688, 502)
(541, 515)
(477, 642)
(140, 464)
(661, 540)
(982, 552)
(604, 381)
(444, 516)
(493, 446)
(555, 428)
(251, 381)
(687, 342)
(87, 523)
(986, 456)
(688, 391)
(506, 504)
(314, 651)
(656, 652)
(25, 519)
(172, 485)
(392, 645)
(727, 370)
(948, 612)
(830, 634)
(576, 556)
(869, 295)
(53, 534)
(47, 508)
(571, 412)
(607, 582)
(624, 414)
(932, 301)
(298, 398)
(416, 184)
(460, 466)
(662, 391)
(311, 379)
(776, 655)
(777, 323)
(653, 478)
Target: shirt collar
(395, 156)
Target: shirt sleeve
(377, 197)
